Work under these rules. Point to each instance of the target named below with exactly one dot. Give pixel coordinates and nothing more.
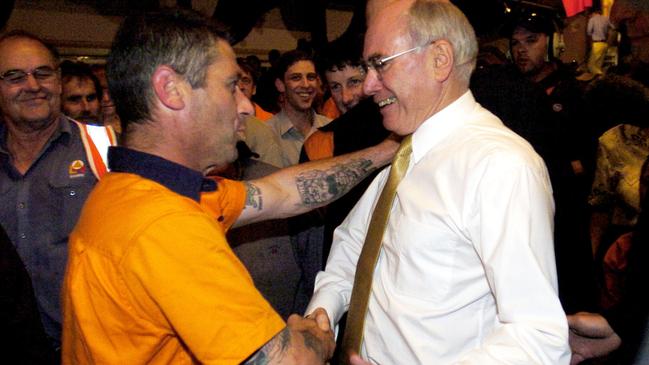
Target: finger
(354, 359)
(323, 321)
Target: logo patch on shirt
(77, 169)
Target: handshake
(305, 340)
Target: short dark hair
(341, 53)
(248, 68)
(19, 33)
(182, 39)
(287, 60)
(533, 20)
(82, 71)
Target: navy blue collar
(175, 177)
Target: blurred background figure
(81, 93)
(109, 115)
(248, 85)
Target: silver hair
(431, 20)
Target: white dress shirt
(466, 274)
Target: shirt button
(73, 193)
(23, 236)
(220, 218)
(21, 205)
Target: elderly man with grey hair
(463, 268)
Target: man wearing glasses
(48, 165)
(464, 270)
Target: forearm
(301, 342)
(298, 189)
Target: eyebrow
(234, 77)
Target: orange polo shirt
(151, 279)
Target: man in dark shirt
(45, 170)
(22, 338)
(557, 130)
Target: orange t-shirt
(151, 279)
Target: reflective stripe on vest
(96, 140)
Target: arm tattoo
(278, 347)
(253, 197)
(317, 186)
(275, 349)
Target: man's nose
(372, 84)
(348, 95)
(244, 106)
(31, 83)
(85, 105)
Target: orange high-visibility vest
(96, 140)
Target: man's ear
(169, 87)
(279, 84)
(441, 53)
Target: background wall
(80, 30)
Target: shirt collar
(173, 176)
(285, 124)
(63, 131)
(436, 128)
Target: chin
(390, 124)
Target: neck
(26, 144)
(153, 138)
(302, 120)
(545, 71)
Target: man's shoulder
(320, 120)
(123, 206)
(278, 122)
(132, 199)
(485, 137)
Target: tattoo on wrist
(278, 347)
(274, 350)
(253, 197)
(318, 186)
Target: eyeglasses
(15, 77)
(379, 63)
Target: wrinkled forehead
(24, 53)
(521, 32)
(384, 32)
(225, 59)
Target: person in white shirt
(466, 272)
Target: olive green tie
(353, 336)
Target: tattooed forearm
(317, 186)
(274, 350)
(253, 197)
(277, 348)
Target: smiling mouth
(386, 102)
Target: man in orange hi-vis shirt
(150, 277)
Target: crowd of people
(181, 204)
